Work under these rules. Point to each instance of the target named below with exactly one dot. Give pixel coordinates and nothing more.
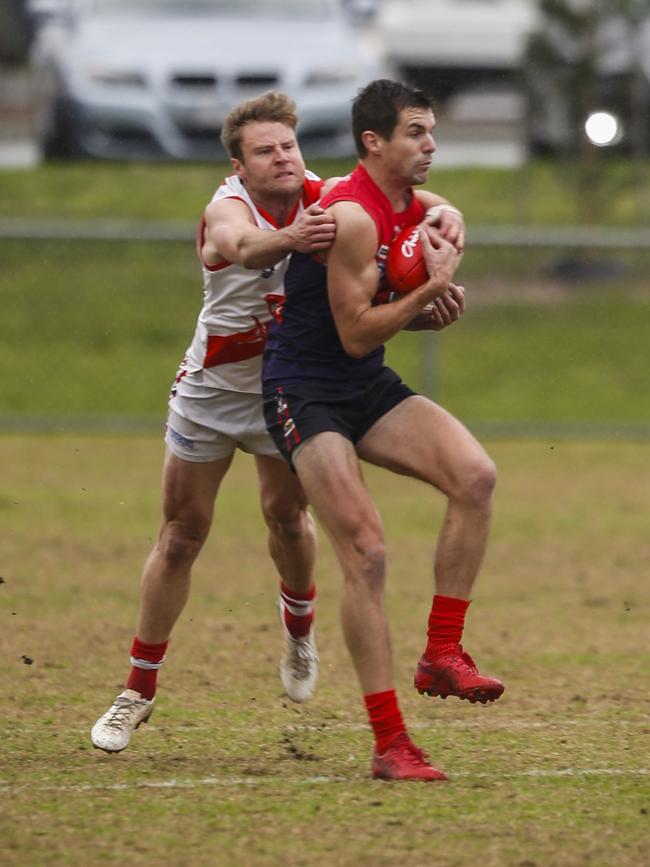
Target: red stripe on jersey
(236, 347)
(310, 194)
(311, 191)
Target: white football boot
(112, 732)
(299, 664)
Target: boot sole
(483, 696)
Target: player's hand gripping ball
(405, 268)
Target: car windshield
(285, 9)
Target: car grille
(257, 80)
(195, 82)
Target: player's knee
(180, 543)
(374, 565)
(291, 526)
(283, 509)
(370, 555)
(476, 484)
(287, 519)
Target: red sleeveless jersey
(360, 187)
(305, 345)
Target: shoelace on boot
(462, 661)
(301, 656)
(122, 708)
(409, 753)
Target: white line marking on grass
(486, 725)
(232, 782)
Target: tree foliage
(565, 70)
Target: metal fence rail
(45, 331)
(612, 237)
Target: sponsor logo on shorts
(180, 439)
(289, 430)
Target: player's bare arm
(231, 235)
(444, 216)
(353, 278)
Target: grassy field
(92, 333)
(228, 772)
(542, 192)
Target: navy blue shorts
(299, 410)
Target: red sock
(445, 628)
(297, 610)
(385, 718)
(146, 659)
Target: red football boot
(404, 761)
(455, 674)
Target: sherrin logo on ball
(408, 244)
(405, 268)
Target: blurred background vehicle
(450, 45)
(146, 78)
(513, 79)
(467, 53)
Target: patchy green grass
(91, 332)
(228, 772)
(542, 192)
(95, 331)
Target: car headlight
(117, 77)
(329, 77)
(603, 129)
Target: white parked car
(140, 78)
(448, 45)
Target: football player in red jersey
(330, 401)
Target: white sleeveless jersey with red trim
(238, 307)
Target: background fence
(96, 316)
(100, 289)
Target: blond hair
(270, 106)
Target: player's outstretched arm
(231, 235)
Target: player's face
(409, 152)
(271, 163)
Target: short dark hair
(271, 106)
(377, 107)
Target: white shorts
(209, 424)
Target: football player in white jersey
(265, 210)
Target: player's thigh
(328, 468)
(421, 439)
(281, 494)
(190, 489)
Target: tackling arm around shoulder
(231, 235)
(353, 279)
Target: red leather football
(405, 268)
